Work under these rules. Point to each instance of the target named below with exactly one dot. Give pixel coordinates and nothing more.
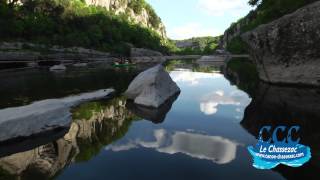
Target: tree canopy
(73, 23)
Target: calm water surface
(202, 133)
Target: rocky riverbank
(31, 54)
(286, 50)
(18, 51)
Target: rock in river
(287, 50)
(152, 88)
(42, 116)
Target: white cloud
(209, 102)
(192, 78)
(190, 30)
(224, 7)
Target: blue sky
(193, 18)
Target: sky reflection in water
(200, 137)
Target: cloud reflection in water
(214, 148)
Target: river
(202, 133)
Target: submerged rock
(42, 116)
(154, 115)
(60, 67)
(152, 88)
(287, 50)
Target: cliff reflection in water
(95, 124)
(280, 105)
(288, 106)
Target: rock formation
(152, 87)
(15, 51)
(287, 50)
(47, 156)
(155, 115)
(42, 116)
(142, 55)
(140, 52)
(122, 7)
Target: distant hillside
(108, 25)
(197, 45)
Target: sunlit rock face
(152, 88)
(286, 50)
(214, 148)
(288, 106)
(94, 125)
(121, 7)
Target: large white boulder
(152, 88)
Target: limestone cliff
(233, 31)
(143, 14)
(287, 50)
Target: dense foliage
(269, 10)
(265, 12)
(237, 46)
(73, 23)
(243, 73)
(198, 45)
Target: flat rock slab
(152, 88)
(42, 116)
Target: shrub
(237, 46)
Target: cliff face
(143, 17)
(287, 50)
(233, 31)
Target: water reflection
(198, 133)
(275, 105)
(280, 105)
(94, 125)
(156, 115)
(26, 86)
(192, 78)
(214, 148)
(210, 102)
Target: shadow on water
(273, 105)
(288, 106)
(26, 86)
